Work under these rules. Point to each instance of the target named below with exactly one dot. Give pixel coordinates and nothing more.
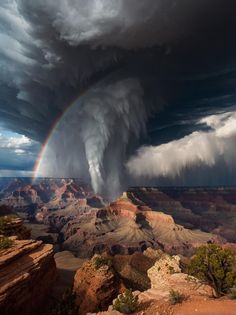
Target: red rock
(95, 288)
(27, 272)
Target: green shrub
(5, 242)
(232, 294)
(126, 303)
(175, 297)
(215, 266)
(4, 222)
(100, 261)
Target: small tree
(215, 266)
(126, 303)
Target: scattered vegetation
(8, 227)
(175, 297)
(215, 266)
(4, 223)
(5, 242)
(101, 261)
(126, 302)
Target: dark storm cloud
(131, 59)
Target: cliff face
(208, 208)
(27, 272)
(95, 286)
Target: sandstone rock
(95, 287)
(125, 227)
(163, 269)
(13, 226)
(166, 275)
(154, 254)
(133, 270)
(27, 272)
(197, 207)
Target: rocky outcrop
(125, 227)
(95, 286)
(27, 272)
(166, 275)
(13, 226)
(133, 270)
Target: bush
(126, 303)
(100, 261)
(215, 266)
(232, 294)
(4, 222)
(5, 242)
(175, 297)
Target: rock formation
(124, 227)
(166, 275)
(13, 226)
(212, 209)
(95, 286)
(27, 272)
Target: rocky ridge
(124, 227)
(27, 272)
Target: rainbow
(50, 135)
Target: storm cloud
(138, 73)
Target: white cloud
(17, 153)
(201, 148)
(15, 142)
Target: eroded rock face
(27, 272)
(125, 227)
(133, 270)
(166, 275)
(13, 226)
(210, 208)
(95, 288)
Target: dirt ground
(194, 306)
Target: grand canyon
(60, 227)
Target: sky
(119, 92)
(17, 154)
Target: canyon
(60, 229)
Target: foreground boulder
(96, 285)
(27, 272)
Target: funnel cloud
(125, 92)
